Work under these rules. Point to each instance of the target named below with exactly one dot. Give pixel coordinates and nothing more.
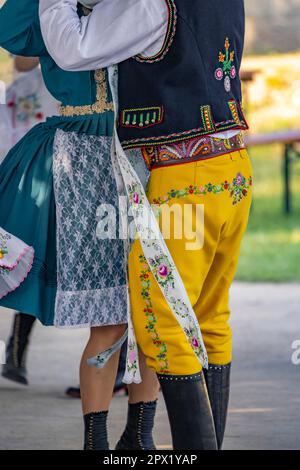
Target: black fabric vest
(192, 86)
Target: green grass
(271, 248)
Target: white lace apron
(91, 271)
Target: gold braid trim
(100, 106)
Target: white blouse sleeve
(114, 31)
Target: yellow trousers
(223, 185)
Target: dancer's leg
(148, 389)
(141, 411)
(97, 385)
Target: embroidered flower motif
(194, 340)
(135, 198)
(238, 189)
(228, 70)
(180, 307)
(162, 270)
(4, 237)
(132, 358)
(219, 74)
(151, 317)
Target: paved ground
(265, 401)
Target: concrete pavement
(265, 401)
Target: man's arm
(114, 31)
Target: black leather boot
(95, 431)
(138, 431)
(218, 385)
(189, 411)
(15, 367)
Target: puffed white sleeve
(114, 31)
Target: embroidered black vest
(192, 86)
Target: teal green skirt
(27, 207)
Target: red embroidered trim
(137, 110)
(178, 137)
(196, 149)
(168, 39)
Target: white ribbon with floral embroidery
(16, 260)
(156, 253)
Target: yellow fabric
(224, 186)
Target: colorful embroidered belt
(191, 150)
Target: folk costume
(27, 103)
(196, 154)
(59, 174)
(182, 108)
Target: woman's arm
(20, 32)
(114, 31)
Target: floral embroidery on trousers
(238, 189)
(151, 317)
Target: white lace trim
(91, 308)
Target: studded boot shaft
(95, 432)
(217, 380)
(189, 412)
(139, 427)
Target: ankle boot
(138, 431)
(189, 412)
(15, 367)
(218, 385)
(95, 431)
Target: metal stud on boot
(218, 385)
(189, 412)
(139, 427)
(95, 431)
